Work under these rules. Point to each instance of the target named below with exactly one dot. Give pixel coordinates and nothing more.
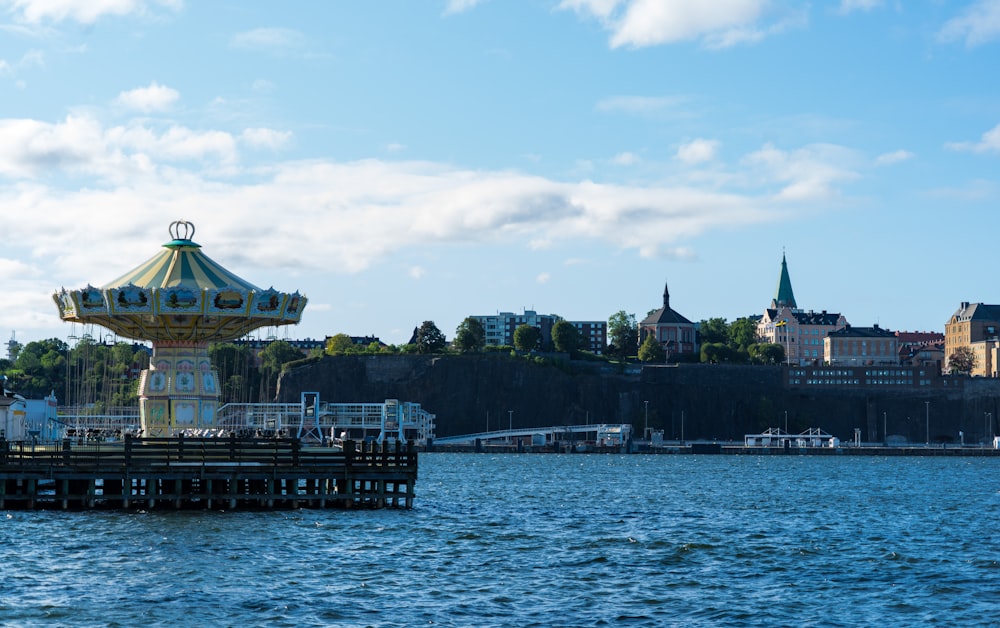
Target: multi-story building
(675, 333)
(801, 333)
(500, 329)
(861, 346)
(593, 335)
(974, 325)
(921, 348)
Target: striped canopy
(181, 263)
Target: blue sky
(401, 161)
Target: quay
(220, 473)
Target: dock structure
(205, 473)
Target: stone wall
(472, 393)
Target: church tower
(783, 296)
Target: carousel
(181, 301)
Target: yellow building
(977, 327)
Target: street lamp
(510, 424)
(645, 431)
(885, 434)
(928, 408)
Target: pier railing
(206, 471)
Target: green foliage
(429, 338)
(716, 352)
(623, 334)
(239, 378)
(527, 337)
(713, 331)
(470, 337)
(566, 337)
(766, 353)
(339, 345)
(743, 333)
(651, 350)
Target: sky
(402, 161)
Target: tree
(239, 379)
(713, 330)
(962, 360)
(339, 344)
(623, 333)
(526, 337)
(429, 338)
(566, 337)
(715, 352)
(742, 333)
(767, 353)
(470, 337)
(651, 350)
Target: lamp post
(645, 431)
(786, 421)
(510, 424)
(927, 404)
(885, 434)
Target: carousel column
(179, 391)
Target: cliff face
(475, 393)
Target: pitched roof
(665, 315)
(784, 295)
(976, 311)
(862, 332)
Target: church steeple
(666, 297)
(784, 296)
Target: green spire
(784, 296)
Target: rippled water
(545, 540)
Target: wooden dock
(205, 473)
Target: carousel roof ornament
(180, 294)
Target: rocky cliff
(480, 392)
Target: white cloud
(895, 157)
(156, 97)
(849, 6)
(641, 23)
(989, 142)
(543, 278)
(978, 24)
(79, 145)
(317, 216)
(808, 174)
(639, 104)
(460, 6)
(697, 151)
(626, 159)
(265, 138)
(85, 11)
(275, 40)
(263, 86)
(395, 147)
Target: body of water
(544, 540)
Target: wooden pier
(205, 473)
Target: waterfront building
(800, 332)
(977, 327)
(859, 346)
(675, 333)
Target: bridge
(600, 433)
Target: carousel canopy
(180, 294)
